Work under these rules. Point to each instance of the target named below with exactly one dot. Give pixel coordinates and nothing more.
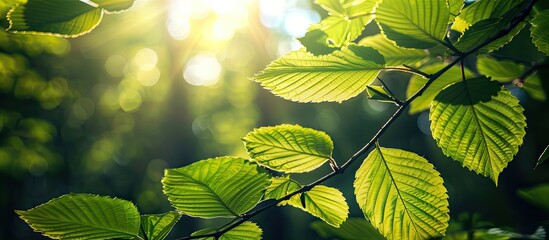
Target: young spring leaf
(402, 195)
(540, 35)
(345, 23)
(394, 55)
(507, 71)
(414, 24)
(302, 77)
(158, 226)
(481, 10)
(282, 186)
(84, 216)
(537, 195)
(352, 229)
(216, 187)
(544, 155)
(326, 203)
(245, 231)
(289, 148)
(379, 93)
(65, 18)
(488, 28)
(423, 102)
(478, 123)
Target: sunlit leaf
(84, 216)
(394, 55)
(65, 18)
(478, 123)
(345, 23)
(216, 187)
(481, 10)
(244, 231)
(423, 102)
(114, 6)
(455, 7)
(538, 195)
(540, 35)
(326, 203)
(282, 186)
(158, 226)
(507, 71)
(379, 93)
(352, 229)
(485, 29)
(289, 148)
(402, 195)
(302, 77)
(414, 24)
(544, 155)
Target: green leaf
(158, 226)
(455, 7)
(478, 123)
(345, 23)
(352, 229)
(544, 155)
(245, 231)
(481, 10)
(216, 187)
(326, 203)
(538, 31)
(488, 28)
(114, 6)
(65, 18)
(289, 148)
(538, 195)
(414, 24)
(423, 102)
(402, 195)
(282, 186)
(507, 71)
(379, 93)
(84, 216)
(394, 55)
(302, 77)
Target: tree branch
(431, 78)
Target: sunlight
(202, 70)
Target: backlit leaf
(402, 195)
(84, 216)
(326, 203)
(414, 24)
(485, 29)
(65, 18)
(245, 231)
(216, 187)
(345, 23)
(282, 186)
(507, 71)
(379, 93)
(538, 195)
(394, 55)
(481, 10)
(302, 77)
(352, 229)
(478, 123)
(423, 102)
(540, 35)
(289, 148)
(158, 226)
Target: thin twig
(245, 217)
(393, 96)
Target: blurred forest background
(167, 83)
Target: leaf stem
(431, 78)
(408, 70)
